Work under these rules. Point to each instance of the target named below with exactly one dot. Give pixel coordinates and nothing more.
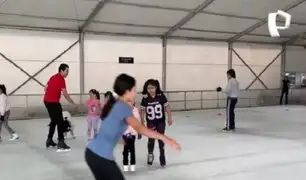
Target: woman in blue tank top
(117, 115)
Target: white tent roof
(220, 20)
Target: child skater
(94, 111)
(153, 106)
(129, 138)
(99, 153)
(5, 113)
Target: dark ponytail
(122, 84)
(3, 89)
(108, 106)
(97, 94)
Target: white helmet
(66, 115)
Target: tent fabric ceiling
(221, 20)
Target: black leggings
(284, 92)
(56, 115)
(102, 168)
(129, 148)
(159, 126)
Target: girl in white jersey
(129, 138)
(5, 113)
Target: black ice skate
(150, 159)
(63, 147)
(162, 160)
(50, 143)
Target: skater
(153, 106)
(94, 111)
(99, 153)
(5, 113)
(232, 92)
(285, 90)
(129, 138)
(53, 90)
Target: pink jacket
(94, 107)
(137, 116)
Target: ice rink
(270, 143)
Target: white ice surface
(270, 144)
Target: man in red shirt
(55, 87)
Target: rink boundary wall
(23, 108)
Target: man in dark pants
(285, 90)
(53, 90)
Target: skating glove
(2, 118)
(219, 89)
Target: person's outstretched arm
(135, 124)
(65, 92)
(67, 96)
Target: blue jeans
(230, 112)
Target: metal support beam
(264, 21)
(230, 56)
(21, 69)
(294, 38)
(264, 70)
(43, 68)
(31, 28)
(283, 60)
(249, 68)
(187, 18)
(82, 63)
(164, 63)
(188, 10)
(179, 38)
(283, 63)
(93, 14)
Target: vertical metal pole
(201, 99)
(283, 62)
(229, 66)
(230, 56)
(164, 63)
(218, 99)
(185, 100)
(82, 66)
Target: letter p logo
(273, 29)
